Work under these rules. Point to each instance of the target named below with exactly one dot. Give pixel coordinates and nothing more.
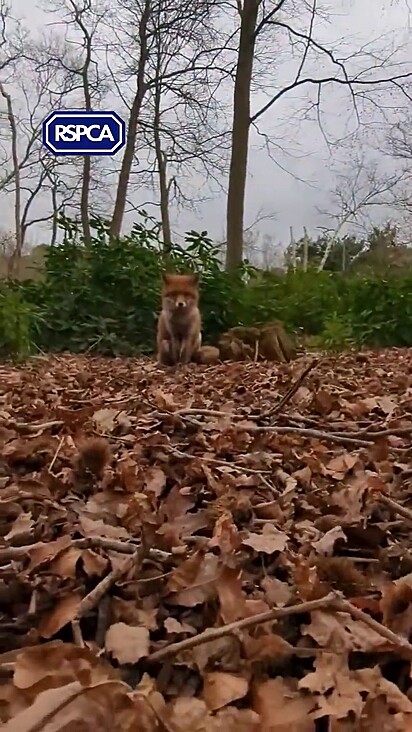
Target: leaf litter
(211, 548)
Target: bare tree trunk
(87, 163)
(305, 249)
(124, 176)
(293, 248)
(240, 135)
(55, 218)
(16, 255)
(162, 172)
(84, 199)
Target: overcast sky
(300, 172)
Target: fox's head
(180, 293)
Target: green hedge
(104, 298)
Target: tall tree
(248, 13)
(175, 74)
(290, 26)
(78, 67)
(183, 120)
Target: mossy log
(268, 342)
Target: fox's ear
(165, 277)
(195, 277)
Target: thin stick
(102, 620)
(27, 427)
(93, 598)
(339, 439)
(400, 643)
(215, 461)
(123, 547)
(77, 633)
(396, 507)
(290, 392)
(214, 633)
(59, 446)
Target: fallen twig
(102, 621)
(400, 643)
(330, 601)
(123, 547)
(35, 427)
(215, 461)
(59, 447)
(290, 392)
(214, 633)
(396, 507)
(304, 432)
(77, 633)
(93, 598)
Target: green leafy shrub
(380, 310)
(105, 297)
(19, 323)
(337, 334)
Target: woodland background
(195, 81)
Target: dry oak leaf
(377, 714)
(341, 464)
(125, 611)
(269, 541)
(94, 564)
(282, 708)
(225, 535)
(45, 552)
(127, 643)
(186, 715)
(337, 690)
(155, 481)
(164, 401)
(55, 664)
(232, 719)
(149, 704)
(192, 715)
(105, 706)
(338, 631)
(396, 606)
(21, 527)
(223, 652)
(173, 626)
(194, 581)
(326, 544)
(65, 564)
(63, 612)
(90, 528)
(231, 596)
(106, 420)
(376, 685)
(220, 689)
(267, 647)
(276, 592)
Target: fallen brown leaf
(220, 689)
(127, 643)
(269, 541)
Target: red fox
(179, 335)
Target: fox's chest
(180, 323)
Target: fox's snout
(181, 302)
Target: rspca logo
(83, 133)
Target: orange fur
(179, 327)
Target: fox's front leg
(189, 347)
(168, 353)
(164, 355)
(185, 352)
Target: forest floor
(207, 548)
